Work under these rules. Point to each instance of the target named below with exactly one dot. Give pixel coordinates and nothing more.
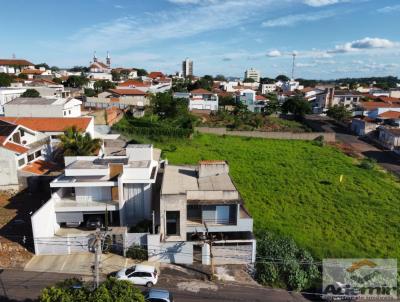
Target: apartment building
(332, 97)
(252, 74)
(200, 199)
(187, 68)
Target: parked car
(158, 295)
(94, 222)
(139, 274)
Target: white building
(252, 74)
(201, 99)
(332, 97)
(187, 68)
(291, 85)
(43, 107)
(268, 88)
(20, 147)
(115, 189)
(7, 94)
(14, 66)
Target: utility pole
(209, 239)
(97, 255)
(293, 65)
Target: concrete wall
(61, 245)
(169, 252)
(173, 203)
(8, 168)
(33, 110)
(329, 137)
(233, 253)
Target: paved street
(385, 158)
(26, 286)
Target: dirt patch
(196, 286)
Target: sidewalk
(79, 264)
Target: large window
(172, 223)
(21, 162)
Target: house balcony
(70, 204)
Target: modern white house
(118, 190)
(202, 99)
(249, 98)
(331, 97)
(291, 85)
(20, 146)
(199, 199)
(43, 107)
(268, 88)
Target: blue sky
(332, 38)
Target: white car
(139, 274)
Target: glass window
(38, 153)
(173, 222)
(21, 162)
(31, 157)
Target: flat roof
(180, 179)
(33, 101)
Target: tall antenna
(293, 65)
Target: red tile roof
(15, 147)
(260, 98)
(40, 167)
(375, 105)
(49, 124)
(388, 99)
(31, 71)
(130, 91)
(156, 74)
(390, 114)
(15, 62)
(98, 64)
(200, 91)
(134, 83)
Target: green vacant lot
(293, 188)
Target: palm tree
(74, 143)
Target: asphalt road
(26, 286)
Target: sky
(331, 38)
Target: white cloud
(318, 3)
(301, 65)
(366, 43)
(118, 6)
(291, 20)
(274, 53)
(389, 9)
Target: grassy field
(293, 188)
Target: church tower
(108, 60)
(94, 57)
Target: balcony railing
(197, 221)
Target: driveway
(78, 264)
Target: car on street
(158, 295)
(139, 274)
(94, 222)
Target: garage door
(69, 217)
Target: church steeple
(108, 60)
(94, 57)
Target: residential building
(53, 127)
(115, 189)
(363, 126)
(268, 88)
(7, 94)
(252, 74)
(187, 68)
(202, 99)
(249, 98)
(394, 93)
(374, 109)
(43, 107)
(291, 85)
(202, 199)
(20, 146)
(126, 73)
(331, 97)
(390, 138)
(144, 86)
(14, 66)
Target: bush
(136, 252)
(368, 163)
(319, 141)
(143, 226)
(282, 263)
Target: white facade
(43, 107)
(252, 74)
(268, 88)
(203, 100)
(187, 68)
(291, 85)
(8, 94)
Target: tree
(273, 106)
(225, 100)
(297, 105)
(90, 92)
(248, 80)
(102, 85)
(37, 66)
(74, 143)
(220, 77)
(23, 76)
(79, 69)
(5, 80)
(116, 76)
(267, 81)
(282, 78)
(339, 112)
(57, 80)
(141, 72)
(296, 268)
(165, 106)
(73, 290)
(54, 68)
(77, 81)
(30, 93)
